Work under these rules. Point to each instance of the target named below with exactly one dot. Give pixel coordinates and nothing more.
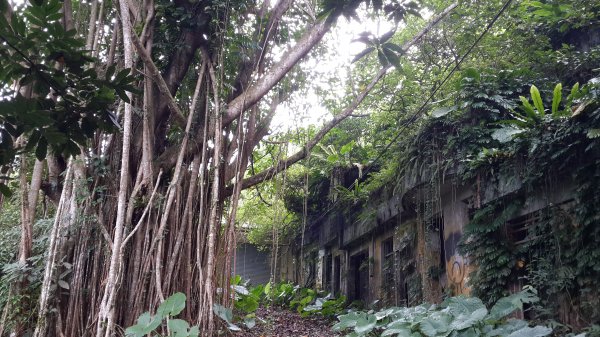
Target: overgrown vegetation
(147, 324)
(143, 175)
(456, 316)
(286, 295)
(514, 124)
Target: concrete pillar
(320, 269)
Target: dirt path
(278, 322)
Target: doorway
(359, 277)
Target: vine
(490, 250)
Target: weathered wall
(456, 215)
(425, 248)
(252, 264)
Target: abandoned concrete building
(402, 249)
(443, 225)
(390, 252)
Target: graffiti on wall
(457, 269)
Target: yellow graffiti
(457, 270)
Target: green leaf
(110, 71)
(507, 328)
(505, 134)
(385, 37)
(471, 73)
(537, 100)
(247, 304)
(122, 75)
(593, 133)
(463, 305)
(443, 111)
(249, 322)
(556, 99)
(178, 327)
(470, 332)
(123, 95)
(333, 158)
(435, 324)
(467, 320)
(347, 321)
(428, 328)
(393, 47)
(528, 109)
(145, 325)
(507, 305)
(392, 58)
(172, 306)
(136, 331)
(236, 280)
(347, 148)
(537, 331)
(224, 313)
(194, 331)
(575, 93)
(382, 59)
(365, 324)
(397, 330)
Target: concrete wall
(361, 263)
(427, 264)
(252, 264)
(456, 216)
(255, 265)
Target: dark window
(337, 264)
(519, 228)
(328, 272)
(359, 280)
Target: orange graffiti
(458, 274)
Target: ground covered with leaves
(276, 321)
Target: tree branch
(283, 164)
(160, 81)
(264, 84)
(257, 91)
(263, 33)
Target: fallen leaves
(280, 322)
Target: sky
(335, 64)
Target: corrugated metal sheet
(252, 264)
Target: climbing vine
(557, 252)
(485, 244)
